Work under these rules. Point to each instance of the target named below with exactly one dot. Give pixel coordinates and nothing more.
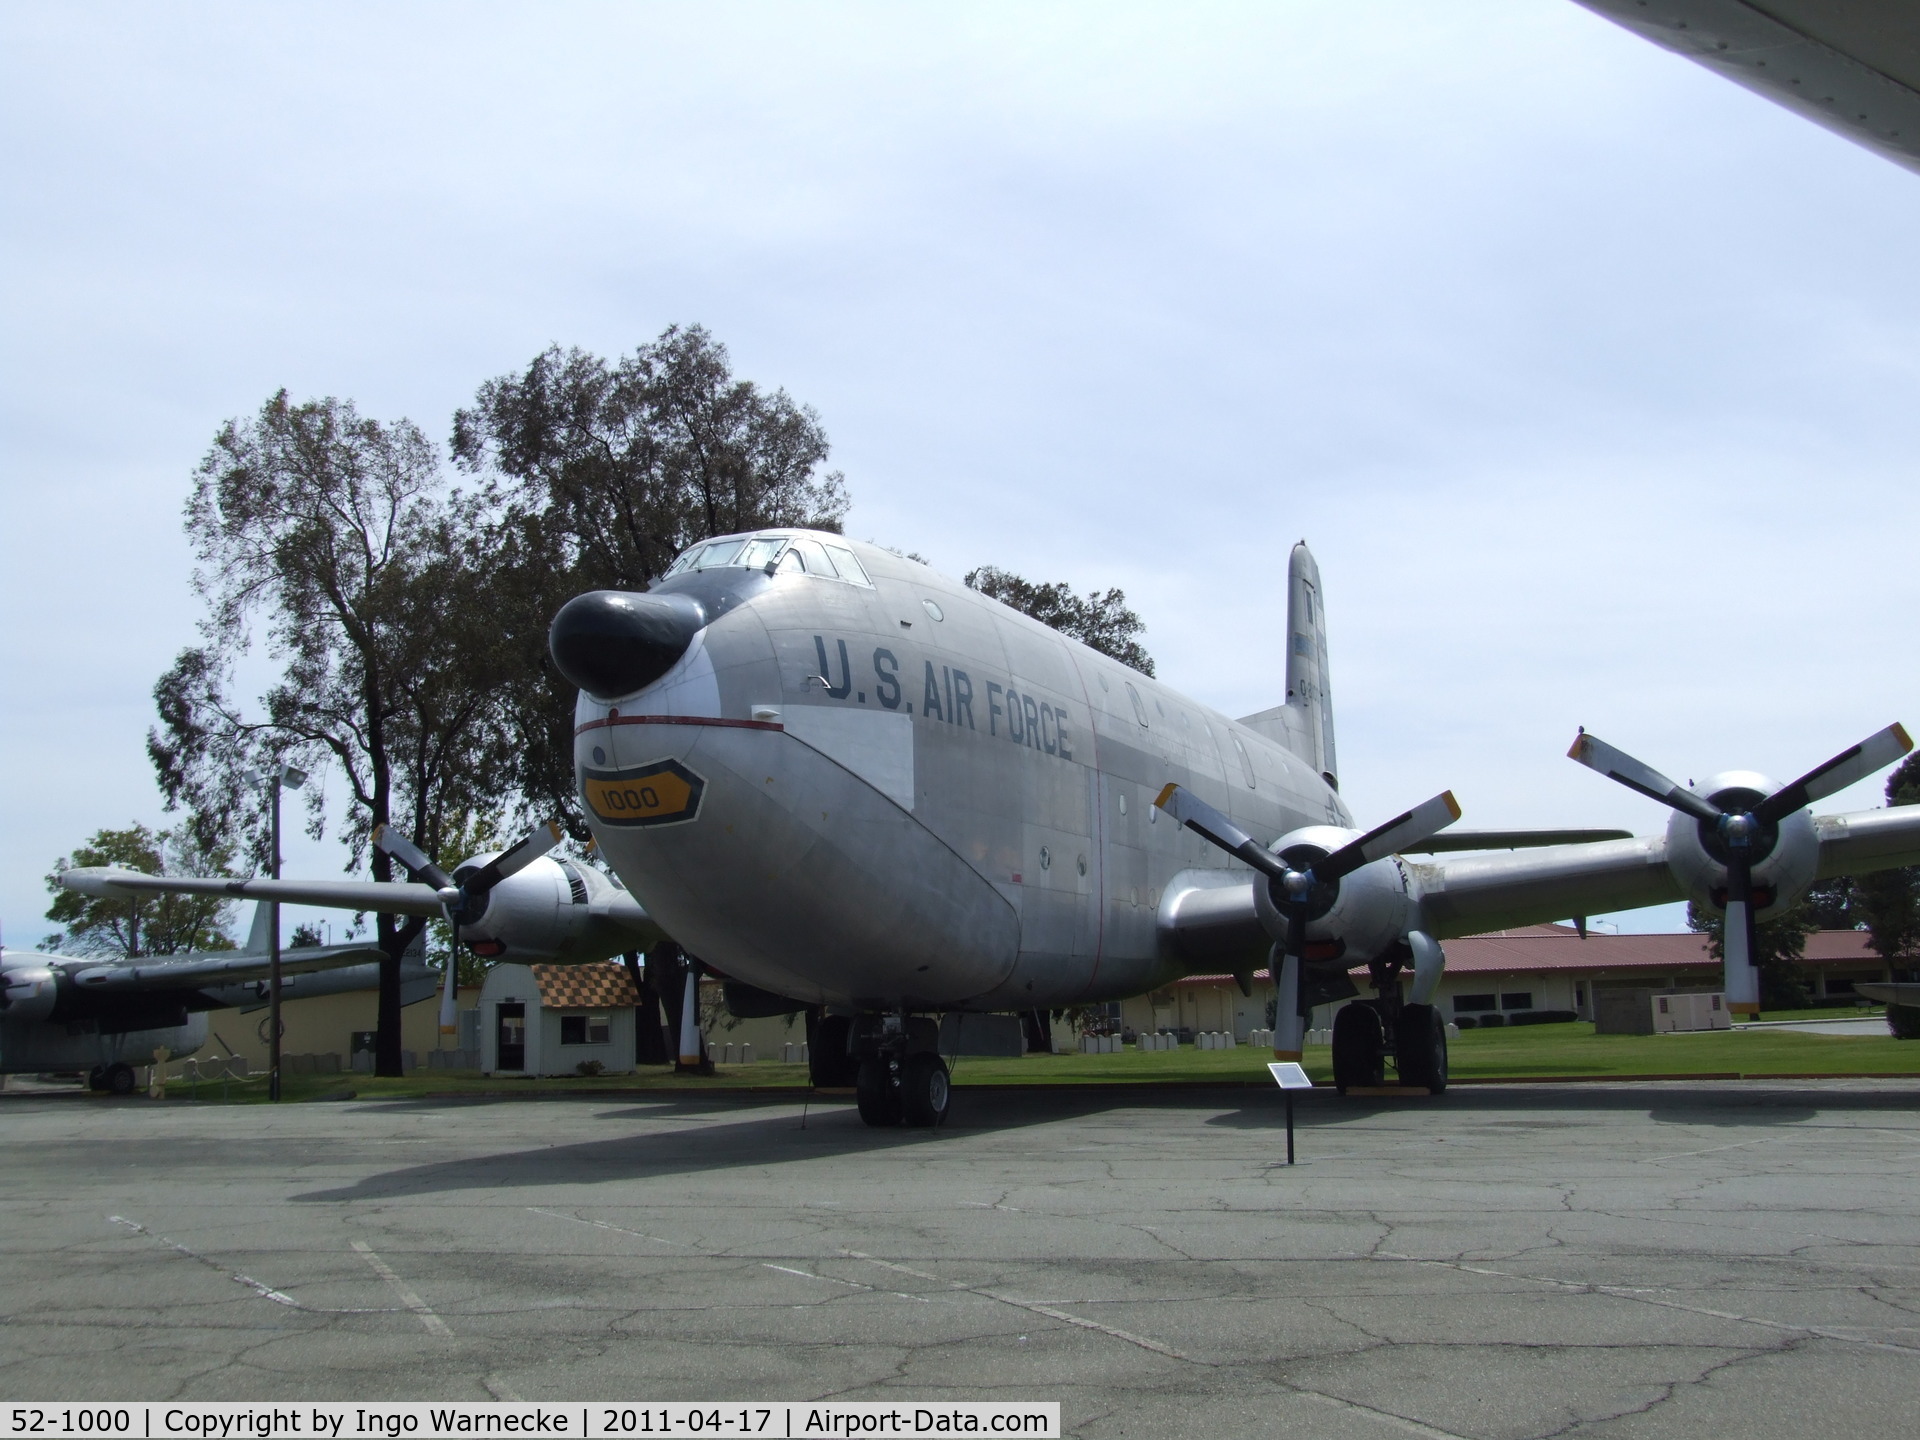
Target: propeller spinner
(464, 899)
(1741, 833)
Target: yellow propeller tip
(1165, 797)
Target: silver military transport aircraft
(845, 779)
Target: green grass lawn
(1568, 1050)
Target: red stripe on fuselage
(679, 720)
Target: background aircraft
(104, 1017)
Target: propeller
(1302, 893)
(465, 898)
(1745, 837)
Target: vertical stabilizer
(260, 937)
(1304, 724)
(1308, 690)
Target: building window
(1516, 1000)
(585, 1030)
(1471, 1003)
(1579, 996)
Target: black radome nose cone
(613, 642)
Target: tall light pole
(288, 778)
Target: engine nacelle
(32, 990)
(555, 910)
(1786, 857)
(1367, 911)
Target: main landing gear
(1367, 1033)
(115, 1079)
(898, 1075)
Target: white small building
(552, 1019)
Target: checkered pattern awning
(585, 987)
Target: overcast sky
(1590, 378)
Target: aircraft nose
(614, 642)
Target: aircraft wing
(1208, 920)
(201, 971)
(1852, 66)
(387, 897)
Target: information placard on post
(1289, 1076)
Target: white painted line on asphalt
(264, 1291)
(435, 1325)
(1648, 1296)
(1384, 1417)
(603, 1225)
(1035, 1308)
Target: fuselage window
(1246, 760)
(1139, 710)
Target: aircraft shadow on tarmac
(757, 1138)
(1704, 1104)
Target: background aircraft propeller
(465, 898)
(1746, 836)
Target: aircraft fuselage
(904, 794)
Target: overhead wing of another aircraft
(1852, 66)
(389, 897)
(200, 971)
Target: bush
(1542, 1017)
(1465, 1022)
(589, 1068)
(1495, 1019)
(1904, 1021)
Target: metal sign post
(1289, 1076)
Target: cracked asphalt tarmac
(1508, 1261)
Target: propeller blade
(1596, 754)
(1420, 823)
(1875, 752)
(512, 862)
(1737, 940)
(1208, 823)
(392, 842)
(449, 999)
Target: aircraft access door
(511, 1036)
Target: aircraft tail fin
(1305, 723)
(260, 937)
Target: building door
(512, 1036)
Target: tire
(119, 1080)
(1357, 1046)
(924, 1091)
(876, 1095)
(1420, 1043)
(828, 1064)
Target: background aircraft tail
(1305, 723)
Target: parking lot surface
(1505, 1261)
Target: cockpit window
(794, 554)
(848, 567)
(757, 553)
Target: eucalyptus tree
(597, 474)
(1100, 621)
(338, 536)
